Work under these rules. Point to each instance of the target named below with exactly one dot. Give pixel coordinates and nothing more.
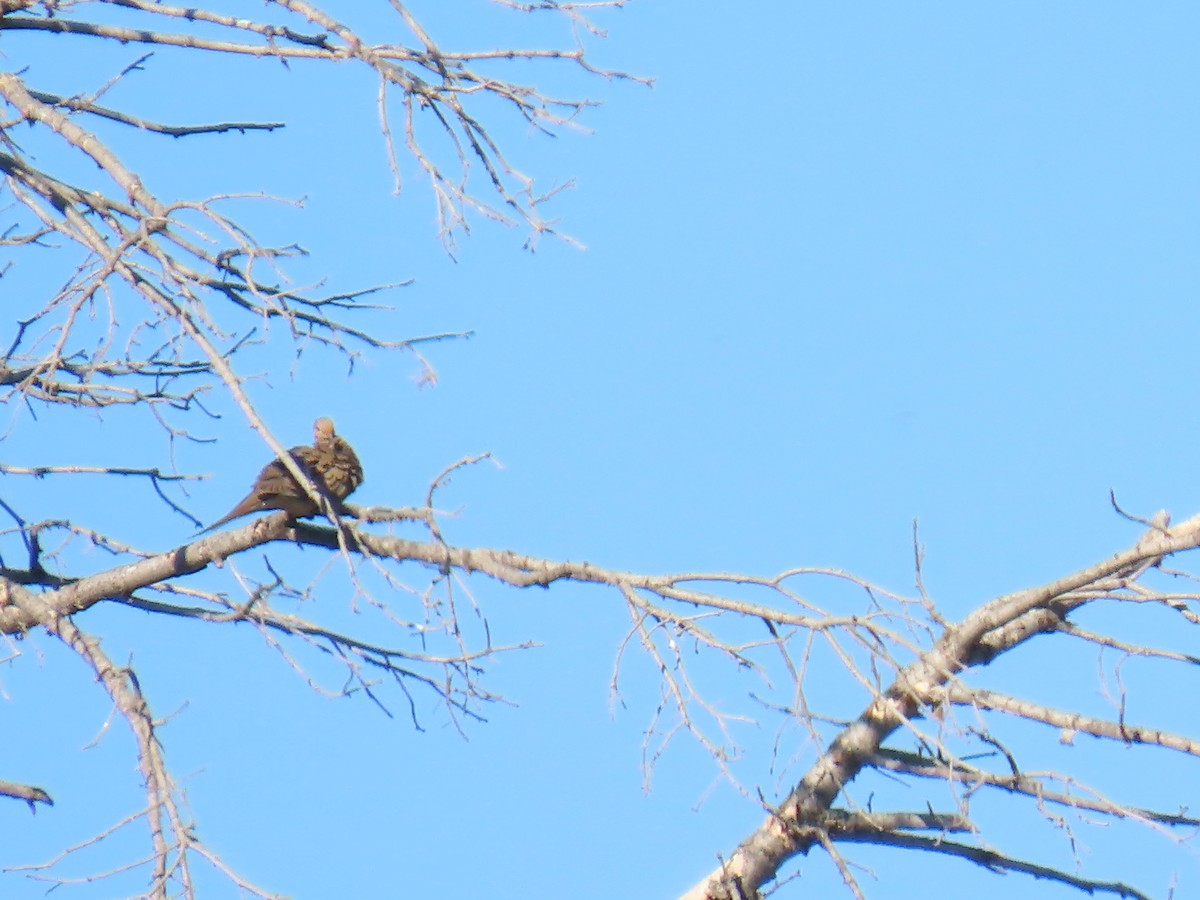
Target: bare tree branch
(995, 627)
(27, 792)
(1000, 862)
(161, 297)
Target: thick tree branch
(758, 858)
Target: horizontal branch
(41, 471)
(1035, 788)
(514, 569)
(77, 104)
(316, 49)
(843, 824)
(997, 862)
(1072, 721)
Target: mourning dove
(330, 462)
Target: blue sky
(847, 266)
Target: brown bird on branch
(330, 463)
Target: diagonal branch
(995, 627)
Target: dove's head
(322, 431)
